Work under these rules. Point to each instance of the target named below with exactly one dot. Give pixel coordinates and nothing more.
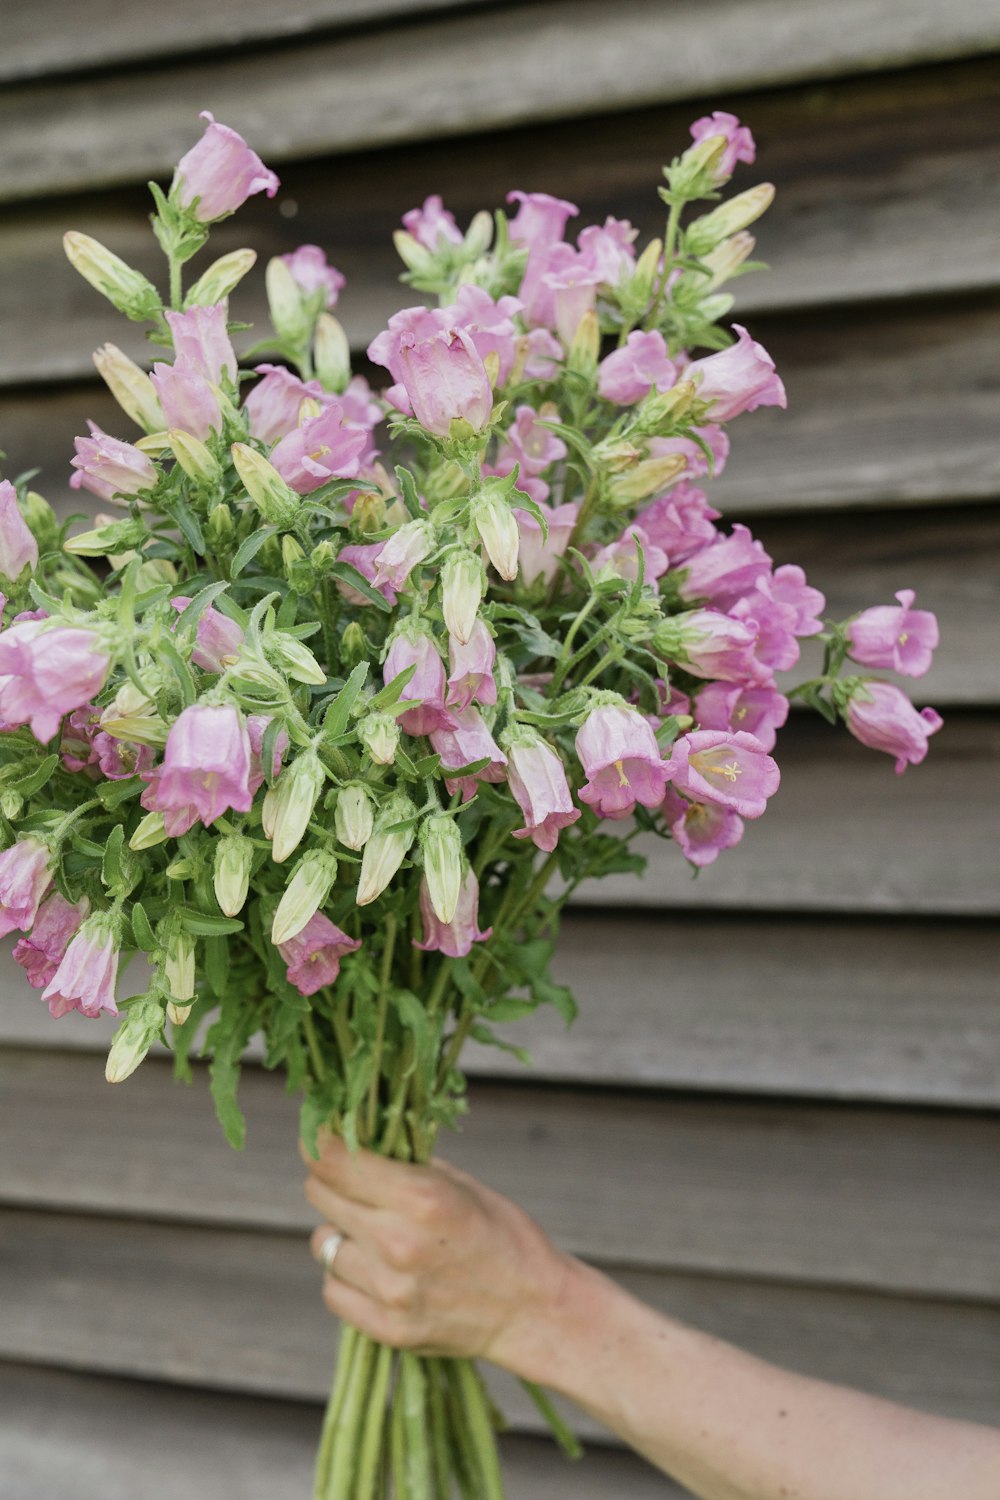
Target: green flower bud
(11, 805)
(194, 458)
(277, 501)
(647, 478)
(494, 520)
(295, 795)
(441, 844)
(386, 849)
(118, 536)
(736, 214)
(353, 646)
(221, 527)
(411, 252)
(331, 354)
(126, 289)
(479, 235)
(178, 967)
(304, 894)
(379, 733)
(141, 1026)
(231, 872)
(353, 818)
(294, 658)
(149, 833)
(222, 277)
(291, 313)
(463, 583)
(41, 519)
(131, 388)
(585, 349)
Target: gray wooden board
(901, 1201)
(241, 1311)
(895, 1011)
(886, 188)
(886, 409)
(71, 1436)
(454, 76)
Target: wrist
(547, 1341)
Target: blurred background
(778, 1116)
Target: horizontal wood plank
(849, 223)
(454, 76)
(900, 1012)
(812, 1193)
(241, 1311)
(87, 1436)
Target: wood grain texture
(885, 188)
(64, 1434)
(893, 1012)
(804, 1192)
(241, 1311)
(453, 76)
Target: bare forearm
(731, 1427)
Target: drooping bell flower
(205, 770)
(680, 522)
(218, 640)
(18, 548)
(120, 759)
(737, 379)
(725, 570)
(708, 643)
(732, 770)
(256, 728)
(454, 938)
(471, 677)
(433, 225)
(540, 220)
(323, 448)
(187, 398)
(537, 778)
(783, 607)
(463, 745)
(900, 637)
(363, 556)
(47, 672)
(313, 955)
(398, 556)
(24, 880)
(273, 405)
(445, 380)
(426, 688)
(463, 583)
(881, 716)
(312, 272)
(387, 847)
(701, 830)
(533, 447)
(790, 589)
(110, 469)
(622, 761)
(740, 144)
(220, 173)
(572, 288)
(537, 555)
(759, 710)
(86, 976)
(201, 337)
(622, 556)
(489, 324)
(641, 365)
(41, 952)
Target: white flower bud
(410, 251)
(379, 733)
(231, 872)
(178, 967)
(304, 894)
(386, 849)
(149, 833)
(125, 288)
(441, 844)
(222, 277)
(331, 353)
(295, 794)
(353, 818)
(277, 501)
(739, 212)
(584, 351)
(647, 478)
(290, 313)
(141, 1026)
(479, 235)
(463, 584)
(497, 527)
(297, 660)
(131, 388)
(193, 457)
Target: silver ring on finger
(329, 1250)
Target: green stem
(599, 667)
(388, 950)
(370, 1458)
(347, 1427)
(176, 287)
(412, 1397)
(315, 1051)
(345, 1357)
(481, 1432)
(438, 1420)
(397, 1447)
(562, 666)
(669, 246)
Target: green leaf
(390, 695)
(267, 749)
(511, 1009)
(185, 677)
(111, 866)
(248, 550)
(567, 1440)
(338, 715)
(224, 1078)
(350, 575)
(408, 489)
(187, 523)
(217, 966)
(142, 929)
(192, 613)
(114, 793)
(33, 782)
(201, 924)
(488, 1038)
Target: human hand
(432, 1260)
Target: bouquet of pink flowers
(331, 738)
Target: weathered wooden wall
(779, 1113)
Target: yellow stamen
(622, 778)
(741, 712)
(730, 770)
(904, 637)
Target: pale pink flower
(737, 379)
(24, 880)
(789, 589)
(538, 557)
(109, 468)
(400, 554)
(622, 556)
(313, 955)
(881, 716)
(725, 570)
(187, 398)
(361, 412)
(630, 373)
(489, 324)
(467, 742)
(323, 448)
(312, 273)
(899, 637)
(732, 770)
(219, 173)
(540, 220)
(77, 746)
(202, 338)
(432, 225)
(532, 446)
(218, 637)
(680, 522)
(622, 761)
(363, 556)
(46, 672)
(708, 643)
(607, 249)
(41, 953)
(537, 778)
(714, 436)
(87, 972)
(256, 726)
(781, 608)
(273, 405)
(18, 548)
(759, 710)
(445, 380)
(572, 286)
(426, 688)
(543, 354)
(739, 141)
(120, 759)
(205, 769)
(471, 677)
(385, 347)
(454, 938)
(701, 830)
